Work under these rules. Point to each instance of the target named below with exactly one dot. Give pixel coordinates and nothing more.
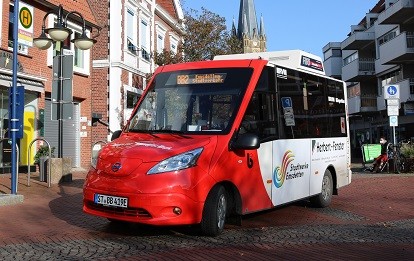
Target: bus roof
(295, 59)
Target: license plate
(111, 201)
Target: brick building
(107, 81)
(35, 73)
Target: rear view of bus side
(214, 139)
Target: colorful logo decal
(279, 174)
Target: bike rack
(49, 164)
(17, 161)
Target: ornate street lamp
(60, 33)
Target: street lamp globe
(42, 42)
(59, 34)
(83, 42)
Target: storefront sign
(6, 61)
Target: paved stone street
(373, 218)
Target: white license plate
(111, 201)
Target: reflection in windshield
(192, 101)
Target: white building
(378, 51)
(135, 31)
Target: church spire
(247, 11)
(253, 38)
(262, 32)
(233, 28)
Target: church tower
(252, 36)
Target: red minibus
(214, 139)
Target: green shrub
(407, 150)
(43, 151)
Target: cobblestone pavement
(373, 218)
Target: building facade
(378, 52)
(252, 36)
(132, 31)
(35, 74)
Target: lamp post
(60, 33)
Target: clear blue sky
(306, 25)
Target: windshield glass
(201, 101)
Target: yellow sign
(25, 33)
(25, 17)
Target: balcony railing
(358, 69)
(410, 40)
(369, 100)
(366, 64)
(398, 50)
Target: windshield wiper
(142, 131)
(178, 132)
(167, 131)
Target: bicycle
(399, 159)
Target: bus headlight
(178, 162)
(95, 154)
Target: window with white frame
(131, 32)
(388, 36)
(160, 43)
(173, 44)
(144, 38)
(160, 38)
(78, 57)
(349, 59)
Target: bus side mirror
(246, 141)
(116, 134)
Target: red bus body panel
(152, 198)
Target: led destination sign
(201, 78)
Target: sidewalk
(36, 188)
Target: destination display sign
(201, 78)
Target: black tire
(402, 164)
(325, 197)
(215, 212)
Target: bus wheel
(215, 212)
(324, 198)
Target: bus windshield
(196, 101)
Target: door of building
(71, 133)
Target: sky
(306, 25)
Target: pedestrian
(382, 158)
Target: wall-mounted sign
(6, 61)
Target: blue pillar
(12, 114)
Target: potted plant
(40, 158)
(43, 152)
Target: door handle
(249, 161)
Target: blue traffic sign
(392, 90)
(287, 102)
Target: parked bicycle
(399, 159)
